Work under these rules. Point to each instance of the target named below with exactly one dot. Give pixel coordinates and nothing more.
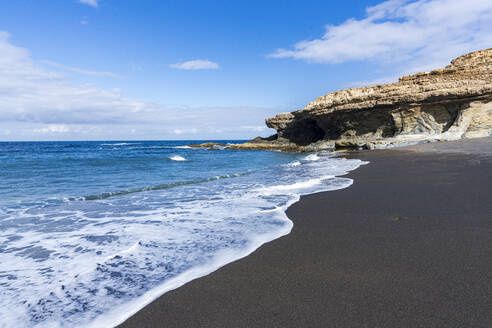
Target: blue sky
(121, 69)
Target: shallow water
(92, 231)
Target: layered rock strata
(443, 104)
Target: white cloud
(37, 103)
(196, 65)
(53, 128)
(256, 128)
(30, 93)
(81, 70)
(185, 131)
(422, 34)
(92, 3)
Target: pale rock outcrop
(444, 104)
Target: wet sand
(409, 244)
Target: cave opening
(306, 132)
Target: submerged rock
(444, 104)
(210, 145)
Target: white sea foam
(120, 314)
(177, 158)
(311, 157)
(294, 186)
(183, 147)
(294, 163)
(106, 260)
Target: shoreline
(308, 184)
(331, 270)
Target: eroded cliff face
(444, 104)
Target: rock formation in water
(444, 104)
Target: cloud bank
(196, 65)
(53, 128)
(40, 104)
(81, 70)
(421, 34)
(31, 93)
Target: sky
(215, 69)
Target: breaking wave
(95, 260)
(177, 158)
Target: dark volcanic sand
(408, 245)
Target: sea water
(90, 232)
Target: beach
(407, 245)
(246, 164)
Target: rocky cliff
(444, 104)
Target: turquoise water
(92, 231)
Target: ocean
(90, 232)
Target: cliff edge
(444, 104)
